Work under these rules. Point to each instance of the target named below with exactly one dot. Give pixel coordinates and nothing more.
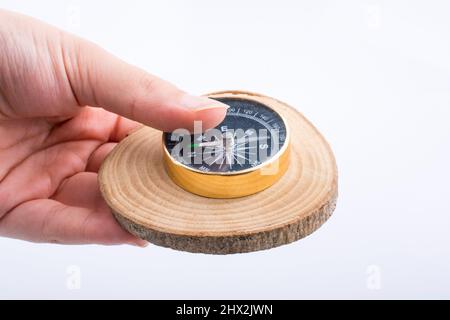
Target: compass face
(250, 135)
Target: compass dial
(250, 135)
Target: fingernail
(201, 103)
(140, 243)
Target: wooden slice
(147, 203)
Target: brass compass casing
(230, 184)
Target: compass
(246, 153)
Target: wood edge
(221, 245)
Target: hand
(52, 143)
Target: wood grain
(148, 204)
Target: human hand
(64, 104)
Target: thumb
(100, 79)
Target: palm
(51, 145)
(48, 179)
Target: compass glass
(251, 134)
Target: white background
(373, 76)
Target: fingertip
(170, 119)
(202, 109)
(211, 117)
(138, 242)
